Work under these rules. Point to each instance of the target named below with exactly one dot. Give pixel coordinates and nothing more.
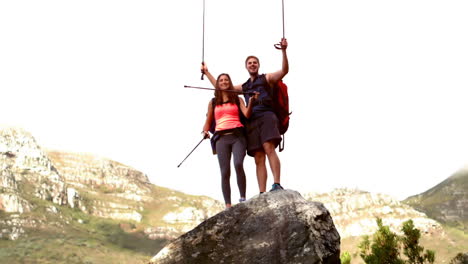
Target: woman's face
(223, 82)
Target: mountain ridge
(354, 212)
(86, 201)
(447, 201)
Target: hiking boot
(241, 200)
(276, 187)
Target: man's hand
(282, 45)
(253, 97)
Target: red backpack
(280, 98)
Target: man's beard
(253, 73)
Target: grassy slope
(62, 239)
(444, 195)
(93, 241)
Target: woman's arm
(238, 87)
(204, 70)
(209, 120)
(247, 110)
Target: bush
(384, 248)
(345, 258)
(411, 247)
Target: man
(262, 128)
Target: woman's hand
(204, 68)
(206, 134)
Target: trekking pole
(278, 46)
(203, 41)
(213, 89)
(204, 137)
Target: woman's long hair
(232, 97)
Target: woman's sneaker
(276, 187)
(241, 200)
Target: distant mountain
(354, 212)
(446, 202)
(62, 207)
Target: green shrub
(411, 247)
(345, 258)
(384, 248)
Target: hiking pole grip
(202, 71)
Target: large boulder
(274, 227)
(460, 259)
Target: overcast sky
(378, 89)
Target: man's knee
(259, 157)
(269, 147)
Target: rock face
(460, 259)
(23, 163)
(275, 227)
(354, 212)
(124, 192)
(38, 185)
(81, 169)
(124, 186)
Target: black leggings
(236, 145)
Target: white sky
(377, 88)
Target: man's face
(252, 66)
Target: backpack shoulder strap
(268, 88)
(213, 122)
(213, 105)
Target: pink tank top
(227, 117)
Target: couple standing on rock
(259, 136)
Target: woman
(225, 109)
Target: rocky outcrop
(354, 212)
(51, 174)
(124, 187)
(460, 259)
(12, 203)
(184, 215)
(95, 186)
(82, 169)
(275, 227)
(14, 227)
(23, 163)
